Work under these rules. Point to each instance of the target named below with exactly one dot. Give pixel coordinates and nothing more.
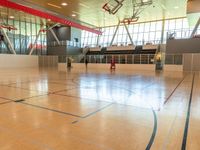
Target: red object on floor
(112, 64)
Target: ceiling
(91, 12)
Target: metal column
(114, 34)
(163, 31)
(195, 28)
(9, 42)
(54, 35)
(128, 34)
(32, 49)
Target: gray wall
(63, 34)
(73, 50)
(191, 62)
(63, 50)
(181, 46)
(57, 50)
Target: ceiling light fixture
(53, 5)
(75, 12)
(81, 4)
(64, 4)
(11, 17)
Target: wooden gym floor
(51, 110)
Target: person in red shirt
(112, 65)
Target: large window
(141, 33)
(24, 37)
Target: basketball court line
(63, 90)
(93, 113)
(49, 109)
(184, 141)
(174, 90)
(45, 94)
(106, 78)
(155, 118)
(6, 102)
(46, 127)
(36, 90)
(22, 88)
(36, 80)
(63, 112)
(153, 135)
(99, 100)
(21, 82)
(132, 92)
(81, 97)
(23, 101)
(6, 98)
(98, 110)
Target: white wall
(191, 62)
(48, 61)
(120, 67)
(173, 68)
(18, 61)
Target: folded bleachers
(129, 49)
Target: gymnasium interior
(99, 75)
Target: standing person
(112, 64)
(69, 62)
(86, 63)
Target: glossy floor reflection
(97, 110)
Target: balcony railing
(174, 59)
(64, 43)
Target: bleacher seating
(129, 49)
(120, 48)
(94, 51)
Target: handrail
(63, 43)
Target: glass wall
(23, 38)
(141, 33)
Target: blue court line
(54, 110)
(174, 90)
(184, 141)
(98, 110)
(148, 147)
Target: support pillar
(130, 38)
(54, 35)
(37, 37)
(195, 28)
(9, 42)
(114, 34)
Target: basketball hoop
(138, 7)
(43, 30)
(113, 6)
(129, 20)
(9, 27)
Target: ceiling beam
(26, 9)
